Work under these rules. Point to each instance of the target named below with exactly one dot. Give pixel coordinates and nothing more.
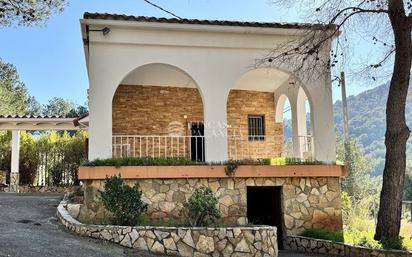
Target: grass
(335, 236)
(355, 236)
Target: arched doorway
(157, 111)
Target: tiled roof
(108, 16)
(28, 117)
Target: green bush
(325, 234)
(201, 208)
(123, 201)
(395, 244)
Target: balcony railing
(189, 147)
(193, 147)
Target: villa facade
(194, 88)
(199, 89)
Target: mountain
(367, 122)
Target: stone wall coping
(241, 241)
(340, 248)
(210, 171)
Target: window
(256, 127)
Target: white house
(191, 88)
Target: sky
(50, 58)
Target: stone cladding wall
(307, 202)
(260, 241)
(329, 248)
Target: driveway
(29, 228)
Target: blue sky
(50, 59)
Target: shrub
(201, 208)
(123, 201)
(325, 234)
(395, 244)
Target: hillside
(367, 121)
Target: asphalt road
(29, 228)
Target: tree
(58, 107)
(388, 24)
(359, 183)
(34, 107)
(28, 12)
(13, 92)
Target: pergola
(33, 123)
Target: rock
(126, 241)
(169, 244)
(187, 239)
(249, 236)
(236, 232)
(220, 245)
(184, 249)
(140, 244)
(158, 197)
(161, 234)
(289, 221)
(227, 252)
(164, 188)
(150, 234)
(242, 246)
(166, 206)
(74, 210)
(157, 248)
(179, 197)
(301, 197)
(314, 191)
(134, 235)
(205, 244)
(226, 200)
(106, 235)
(323, 189)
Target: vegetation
(45, 159)
(27, 12)
(388, 24)
(15, 99)
(143, 161)
(170, 161)
(335, 236)
(367, 123)
(201, 208)
(123, 201)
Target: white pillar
(295, 127)
(324, 138)
(100, 125)
(215, 119)
(15, 158)
(301, 122)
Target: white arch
(159, 74)
(280, 107)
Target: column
(215, 118)
(100, 127)
(15, 158)
(324, 138)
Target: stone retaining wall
(308, 202)
(312, 245)
(183, 241)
